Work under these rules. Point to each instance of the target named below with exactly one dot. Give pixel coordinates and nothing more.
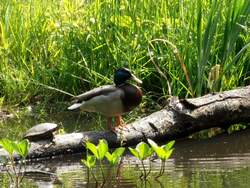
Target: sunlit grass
(52, 49)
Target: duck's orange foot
(121, 127)
(119, 124)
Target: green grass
(50, 49)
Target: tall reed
(53, 49)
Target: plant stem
(100, 162)
(88, 175)
(118, 171)
(149, 169)
(24, 166)
(144, 170)
(162, 169)
(93, 175)
(13, 165)
(8, 172)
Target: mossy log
(180, 118)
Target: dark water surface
(223, 161)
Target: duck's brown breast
(132, 96)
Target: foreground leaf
(134, 152)
(144, 150)
(169, 145)
(115, 156)
(92, 148)
(157, 149)
(119, 151)
(164, 151)
(90, 161)
(22, 148)
(8, 145)
(102, 149)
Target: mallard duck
(111, 100)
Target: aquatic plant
(142, 151)
(163, 152)
(114, 157)
(22, 149)
(90, 162)
(99, 151)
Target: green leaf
(92, 148)
(8, 145)
(90, 161)
(153, 144)
(119, 151)
(160, 152)
(150, 152)
(85, 162)
(168, 154)
(144, 150)
(109, 156)
(114, 160)
(115, 156)
(102, 149)
(163, 152)
(169, 145)
(22, 148)
(134, 152)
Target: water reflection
(223, 161)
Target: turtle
(42, 131)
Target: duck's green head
(124, 74)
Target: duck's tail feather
(75, 106)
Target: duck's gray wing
(102, 90)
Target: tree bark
(180, 118)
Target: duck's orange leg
(118, 121)
(119, 124)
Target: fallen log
(180, 118)
(235, 144)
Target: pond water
(222, 161)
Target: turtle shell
(42, 131)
